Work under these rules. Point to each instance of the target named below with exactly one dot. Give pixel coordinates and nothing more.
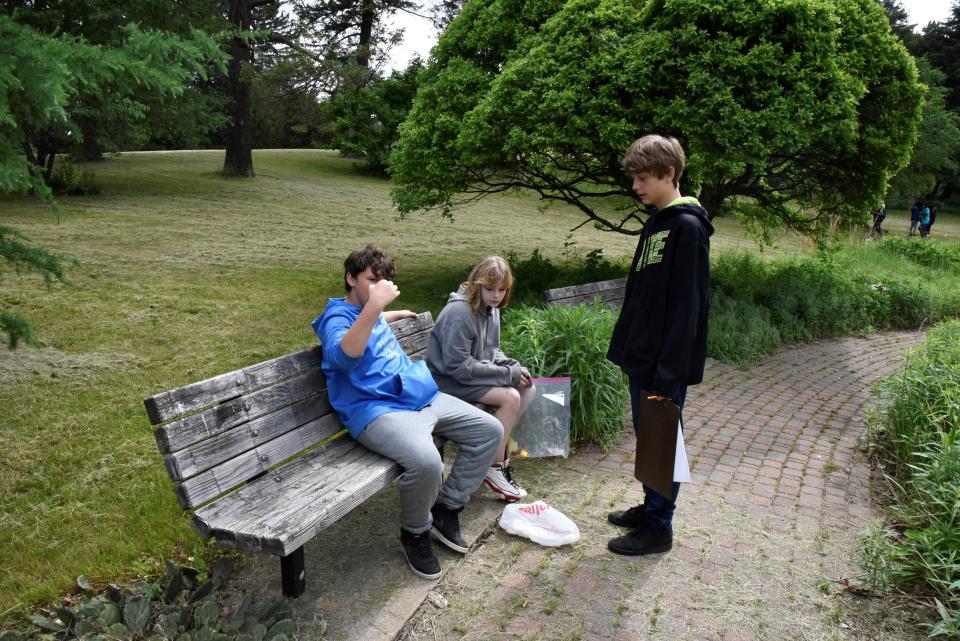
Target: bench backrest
(611, 292)
(223, 431)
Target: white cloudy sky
(924, 11)
(419, 35)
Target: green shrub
(739, 330)
(929, 252)
(757, 305)
(65, 181)
(572, 341)
(188, 605)
(536, 274)
(531, 276)
(917, 439)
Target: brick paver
(763, 535)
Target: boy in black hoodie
(660, 339)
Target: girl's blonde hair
(490, 272)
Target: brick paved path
(763, 535)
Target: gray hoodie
(464, 351)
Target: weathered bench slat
(190, 398)
(226, 445)
(609, 296)
(215, 481)
(225, 416)
(587, 291)
(315, 492)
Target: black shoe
(419, 552)
(446, 528)
(645, 540)
(633, 518)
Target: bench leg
(292, 573)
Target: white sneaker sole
(438, 535)
(501, 493)
(424, 575)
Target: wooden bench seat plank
(206, 454)
(217, 480)
(314, 492)
(194, 428)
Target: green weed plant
(572, 341)
(917, 440)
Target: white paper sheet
(681, 468)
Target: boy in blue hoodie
(660, 339)
(392, 406)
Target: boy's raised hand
(382, 293)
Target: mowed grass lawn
(185, 275)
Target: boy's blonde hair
(490, 272)
(656, 154)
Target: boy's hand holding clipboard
(657, 424)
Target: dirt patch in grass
(47, 362)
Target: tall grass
(757, 305)
(572, 341)
(917, 440)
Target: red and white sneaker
(500, 480)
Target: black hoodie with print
(660, 338)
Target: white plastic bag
(540, 523)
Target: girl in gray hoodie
(465, 359)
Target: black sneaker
(644, 540)
(419, 552)
(446, 527)
(633, 518)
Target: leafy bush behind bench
(572, 341)
(756, 305)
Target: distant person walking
(915, 212)
(925, 222)
(879, 214)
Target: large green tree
(803, 108)
(363, 122)
(41, 77)
(105, 119)
(934, 161)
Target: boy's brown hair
(379, 262)
(491, 271)
(656, 154)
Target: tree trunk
(238, 160)
(711, 199)
(89, 150)
(368, 14)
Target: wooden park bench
(610, 292)
(262, 458)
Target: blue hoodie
(383, 379)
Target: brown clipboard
(656, 444)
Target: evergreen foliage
(364, 120)
(773, 101)
(41, 78)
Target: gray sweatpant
(407, 438)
